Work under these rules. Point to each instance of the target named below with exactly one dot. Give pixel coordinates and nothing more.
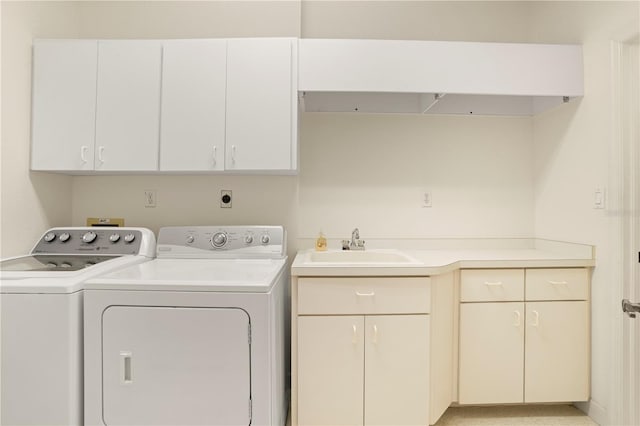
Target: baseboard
(594, 410)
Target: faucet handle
(345, 244)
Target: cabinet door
(261, 104)
(64, 104)
(330, 370)
(491, 353)
(128, 115)
(396, 370)
(557, 352)
(193, 105)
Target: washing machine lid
(214, 275)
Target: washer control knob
(64, 237)
(219, 239)
(248, 239)
(50, 236)
(129, 238)
(190, 239)
(265, 239)
(114, 238)
(89, 237)
(65, 265)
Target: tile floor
(538, 415)
(514, 415)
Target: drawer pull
(375, 334)
(493, 283)
(536, 321)
(371, 294)
(354, 339)
(517, 315)
(557, 282)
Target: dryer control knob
(89, 237)
(248, 239)
(50, 236)
(129, 238)
(219, 239)
(190, 239)
(64, 237)
(265, 239)
(114, 238)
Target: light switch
(599, 198)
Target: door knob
(630, 308)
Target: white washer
(196, 336)
(41, 317)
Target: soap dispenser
(321, 242)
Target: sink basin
(366, 257)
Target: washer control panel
(222, 242)
(90, 240)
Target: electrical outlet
(150, 198)
(426, 199)
(225, 198)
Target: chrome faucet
(355, 244)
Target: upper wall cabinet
(128, 111)
(189, 106)
(194, 75)
(437, 77)
(63, 104)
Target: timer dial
(219, 239)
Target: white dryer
(41, 317)
(194, 337)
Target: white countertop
(533, 253)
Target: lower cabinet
(527, 350)
(370, 369)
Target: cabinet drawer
(379, 295)
(491, 285)
(557, 284)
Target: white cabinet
(128, 105)
(531, 349)
(174, 105)
(371, 367)
(96, 105)
(63, 104)
(262, 111)
(194, 75)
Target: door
(556, 365)
(193, 105)
(396, 363)
(261, 104)
(128, 105)
(630, 130)
(330, 370)
(64, 104)
(491, 353)
(170, 366)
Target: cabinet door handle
(493, 283)
(517, 315)
(125, 359)
(536, 320)
(354, 339)
(83, 153)
(215, 155)
(558, 282)
(370, 294)
(375, 334)
(100, 154)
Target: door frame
(624, 201)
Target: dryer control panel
(222, 242)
